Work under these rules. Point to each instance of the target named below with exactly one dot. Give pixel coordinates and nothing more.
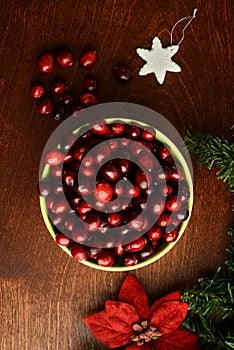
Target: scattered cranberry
(88, 59)
(60, 111)
(88, 99)
(63, 240)
(122, 74)
(90, 84)
(65, 58)
(67, 98)
(37, 90)
(58, 86)
(46, 62)
(54, 157)
(44, 105)
(78, 252)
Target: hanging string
(182, 19)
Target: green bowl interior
(164, 247)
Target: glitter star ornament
(159, 59)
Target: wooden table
(44, 293)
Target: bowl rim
(167, 246)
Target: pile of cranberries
(57, 100)
(131, 200)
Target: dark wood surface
(44, 293)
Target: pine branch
(211, 306)
(213, 152)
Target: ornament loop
(182, 19)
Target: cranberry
(58, 86)
(184, 195)
(93, 252)
(124, 142)
(67, 98)
(145, 159)
(57, 187)
(140, 202)
(130, 259)
(45, 62)
(171, 236)
(63, 240)
(67, 141)
(106, 258)
(133, 131)
(60, 206)
(70, 223)
(99, 128)
(173, 203)
(84, 207)
(87, 161)
(85, 188)
(69, 177)
(78, 252)
(60, 111)
(90, 84)
(75, 199)
(80, 152)
(99, 205)
(136, 245)
(37, 90)
(141, 179)
(165, 190)
(118, 128)
(44, 105)
(177, 174)
(164, 152)
(133, 191)
(163, 174)
(163, 219)
(65, 58)
(88, 59)
(148, 134)
(102, 152)
(88, 172)
(88, 99)
(119, 249)
(54, 157)
(79, 235)
(182, 214)
(124, 166)
(103, 192)
(43, 188)
(147, 252)
(136, 148)
(92, 222)
(68, 159)
(110, 172)
(57, 219)
(56, 171)
(114, 145)
(50, 202)
(155, 233)
(115, 219)
(122, 74)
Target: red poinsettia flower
(130, 322)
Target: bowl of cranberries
(116, 195)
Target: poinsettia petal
(133, 293)
(113, 327)
(168, 316)
(137, 347)
(181, 339)
(170, 297)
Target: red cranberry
(99, 128)
(163, 174)
(141, 180)
(114, 145)
(173, 203)
(177, 174)
(57, 219)
(68, 159)
(171, 236)
(60, 111)
(70, 223)
(88, 172)
(165, 190)
(67, 141)
(37, 90)
(75, 199)
(44, 105)
(45, 62)
(103, 192)
(122, 74)
(93, 252)
(54, 157)
(99, 205)
(88, 99)
(155, 233)
(115, 219)
(56, 171)
(118, 128)
(133, 131)
(88, 59)
(79, 235)
(136, 245)
(69, 177)
(145, 159)
(80, 152)
(50, 202)
(119, 249)
(90, 84)
(163, 219)
(147, 252)
(164, 152)
(65, 58)
(58, 188)
(67, 98)
(87, 161)
(43, 188)
(92, 222)
(148, 134)
(106, 258)
(130, 259)
(85, 188)
(63, 240)
(124, 166)
(78, 252)
(102, 152)
(84, 207)
(58, 86)
(140, 202)
(184, 195)
(60, 206)
(118, 189)
(182, 214)
(133, 191)
(124, 142)
(110, 172)
(136, 148)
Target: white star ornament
(158, 60)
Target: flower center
(144, 333)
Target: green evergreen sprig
(213, 152)
(211, 306)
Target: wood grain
(44, 293)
